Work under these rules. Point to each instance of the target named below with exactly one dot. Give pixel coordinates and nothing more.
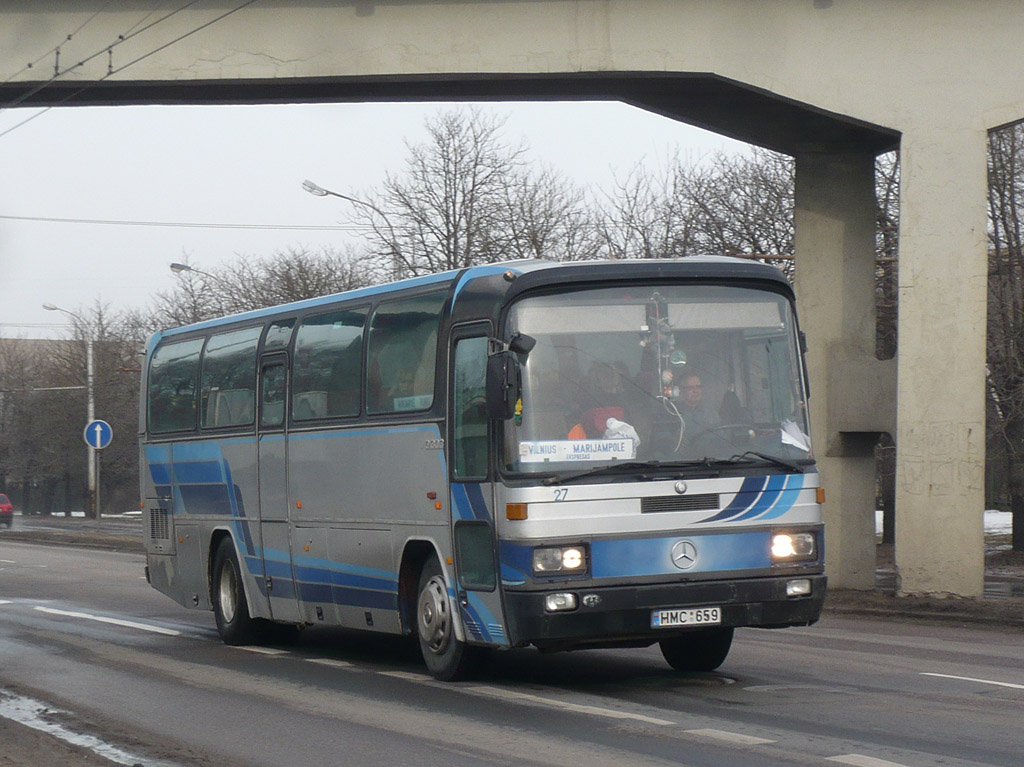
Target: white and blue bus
(563, 455)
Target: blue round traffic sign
(98, 434)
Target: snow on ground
(996, 522)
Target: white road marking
(859, 760)
(1011, 685)
(408, 676)
(112, 621)
(331, 662)
(30, 713)
(522, 697)
(263, 650)
(730, 737)
(5, 601)
(8, 561)
(496, 692)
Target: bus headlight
(563, 559)
(793, 547)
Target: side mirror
(502, 386)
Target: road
(130, 677)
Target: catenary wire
(122, 38)
(186, 224)
(57, 47)
(135, 61)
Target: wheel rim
(227, 593)
(435, 625)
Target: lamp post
(396, 252)
(90, 402)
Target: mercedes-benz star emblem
(680, 487)
(684, 554)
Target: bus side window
(469, 409)
(173, 373)
(402, 354)
(328, 365)
(229, 378)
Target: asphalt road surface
(97, 668)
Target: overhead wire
(186, 224)
(111, 70)
(121, 38)
(56, 48)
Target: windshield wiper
(614, 468)
(782, 462)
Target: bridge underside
(704, 100)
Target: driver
(695, 412)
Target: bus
(557, 455)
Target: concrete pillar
(852, 393)
(940, 443)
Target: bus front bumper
(622, 615)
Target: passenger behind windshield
(605, 412)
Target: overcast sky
(240, 165)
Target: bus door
(273, 475)
(473, 499)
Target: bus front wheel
(702, 650)
(447, 658)
(230, 608)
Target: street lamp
(90, 400)
(179, 268)
(396, 252)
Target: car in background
(6, 511)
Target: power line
(57, 47)
(187, 224)
(122, 38)
(110, 69)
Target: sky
(242, 166)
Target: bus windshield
(683, 373)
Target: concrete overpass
(830, 82)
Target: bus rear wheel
(701, 650)
(230, 607)
(446, 657)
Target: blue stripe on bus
(787, 499)
(746, 496)
(197, 472)
(653, 556)
(160, 472)
(772, 491)
(468, 502)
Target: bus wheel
(230, 608)
(446, 657)
(702, 650)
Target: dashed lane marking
(730, 737)
(859, 760)
(522, 697)
(1011, 685)
(262, 650)
(112, 621)
(331, 662)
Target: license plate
(691, 616)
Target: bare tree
(467, 196)
(250, 282)
(649, 215)
(1006, 310)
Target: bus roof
(526, 273)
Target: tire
(446, 658)
(701, 650)
(230, 607)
